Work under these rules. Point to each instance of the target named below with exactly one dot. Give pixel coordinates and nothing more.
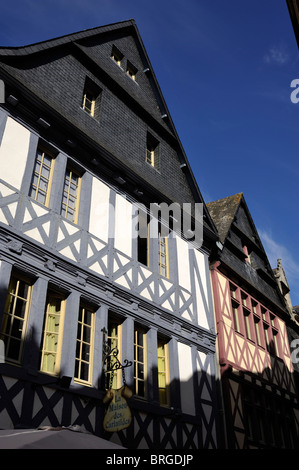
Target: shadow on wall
(255, 415)
(261, 408)
(29, 399)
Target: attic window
(88, 102)
(116, 55)
(152, 152)
(131, 70)
(91, 98)
(247, 254)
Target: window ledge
(153, 167)
(88, 114)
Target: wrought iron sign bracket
(112, 353)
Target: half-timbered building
(87, 145)
(258, 390)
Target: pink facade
(251, 338)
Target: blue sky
(225, 69)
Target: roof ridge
(239, 195)
(88, 30)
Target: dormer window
(131, 70)
(117, 56)
(247, 254)
(152, 152)
(88, 103)
(91, 98)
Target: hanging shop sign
(118, 415)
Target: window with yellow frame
(52, 333)
(139, 362)
(88, 102)
(15, 317)
(42, 176)
(71, 195)
(152, 156)
(131, 70)
(163, 372)
(116, 56)
(84, 345)
(163, 255)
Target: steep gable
(133, 71)
(131, 110)
(223, 212)
(243, 253)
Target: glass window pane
(23, 289)
(84, 345)
(37, 167)
(43, 184)
(20, 308)
(87, 334)
(51, 333)
(74, 178)
(46, 172)
(47, 160)
(79, 331)
(70, 214)
(88, 317)
(85, 352)
(13, 350)
(35, 180)
(71, 202)
(14, 318)
(76, 373)
(41, 197)
(140, 354)
(84, 371)
(141, 388)
(73, 186)
(162, 380)
(41, 176)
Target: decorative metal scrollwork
(111, 362)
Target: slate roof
(235, 225)
(19, 62)
(223, 212)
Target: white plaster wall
(186, 378)
(99, 210)
(202, 288)
(123, 225)
(183, 263)
(13, 152)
